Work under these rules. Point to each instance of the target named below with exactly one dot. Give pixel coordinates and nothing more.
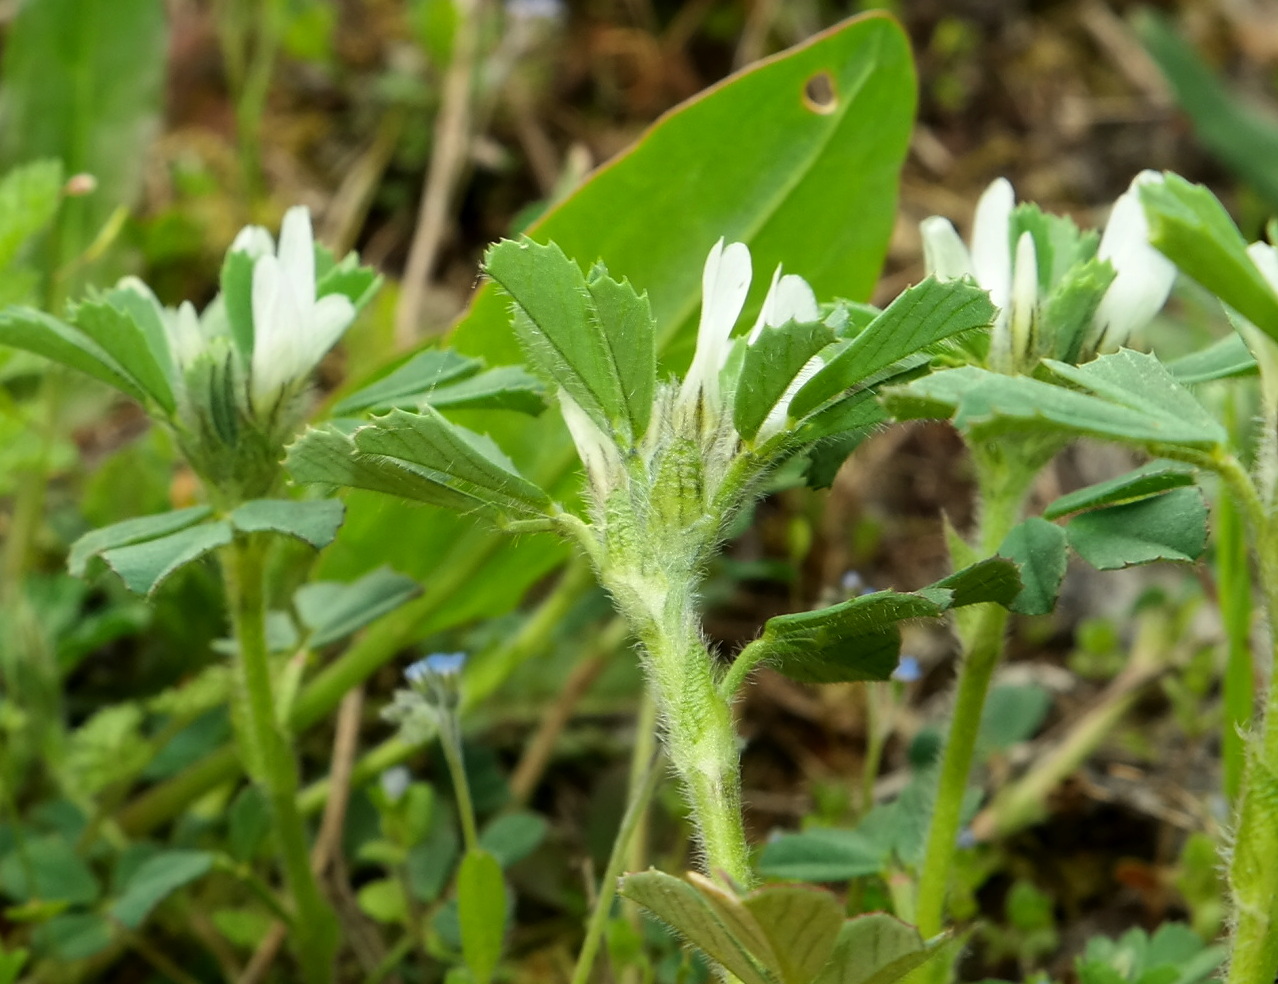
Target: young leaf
(315, 522)
(925, 314)
(511, 837)
(332, 611)
(822, 854)
(1172, 526)
(481, 909)
(801, 923)
(1190, 226)
(43, 334)
(144, 566)
(155, 879)
(404, 385)
(770, 366)
(991, 580)
(688, 912)
(328, 456)
(237, 295)
(1222, 359)
(131, 531)
(471, 462)
(595, 339)
(124, 340)
(1139, 483)
(876, 949)
(1038, 548)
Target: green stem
(640, 795)
(451, 742)
(1004, 478)
(1233, 581)
(1253, 869)
(270, 758)
(700, 732)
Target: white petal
(276, 330)
(991, 241)
(186, 339)
(944, 255)
(1263, 347)
(297, 252)
(793, 300)
(597, 452)
(761, 320)
(778, 415)
(725, 282)
(1143, 276)
(255, 241)
(326, 323)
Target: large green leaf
(43, 334)
(157, 878)
(315, 522)
(144, 566)
(83, 81)
(131, 531)
(813, 187)
(481, 909)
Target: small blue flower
(435, 665)
(908, 670)
(966, 839)
(395, 782)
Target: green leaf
(1222, 359)
(922, 316)
(73, 936)
(124, 340)
(315, 522)
(592, 337)
(131, 531)
(1140, 483)
(155, 880)
(511, 837)
(1070, 307)
(11, 964)
(991, 580)
(481, 909)
(383, 901)
(29, 199)
(1012, 714)
(468, 462)
(822, 854)
(1039, 550)
(144, 566)
(1244, 139)
(327, 456)
(83, 83)
(445, 380)
(43, 334)
(688, 912)
(47, 868)
(1140, 403)
(332, 610)
(859, 639)
(770, 366)
(1189, 225)
(237, 295)
(1172, 526)
(875, 949)
(420, 373)
(801, 923)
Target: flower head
(292, 328)
(1004, 260)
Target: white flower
(292, 329)
(1142, 281)
(1143, 276)
(1263, 348)
(596, 449)
(725, 281)
(789, 298)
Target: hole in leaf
(819, 95)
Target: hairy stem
(271, 761)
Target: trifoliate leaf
(1038, 549)
(315, 522)
(131, 531)
(1172, 526)
(144, 566)
(1139, 483)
